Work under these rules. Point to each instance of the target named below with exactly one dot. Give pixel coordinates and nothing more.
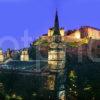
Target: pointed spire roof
(56, 25)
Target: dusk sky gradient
(37, 16)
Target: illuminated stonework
(24, 55)
(51, 31)
(76, 35)
(1, 56)
(93, 33)
(56, 56)
(56, 59)
(51, 82)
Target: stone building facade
(1, 56)
(24, 55)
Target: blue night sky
(36, 16)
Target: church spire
(56, 25)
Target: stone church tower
(56, 52)
(56, 62)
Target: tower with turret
(56, 62)
(56, 52)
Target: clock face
(54, 45)
(57, 40)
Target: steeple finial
(56, 25)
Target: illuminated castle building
(56, 61)
(24, 55)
